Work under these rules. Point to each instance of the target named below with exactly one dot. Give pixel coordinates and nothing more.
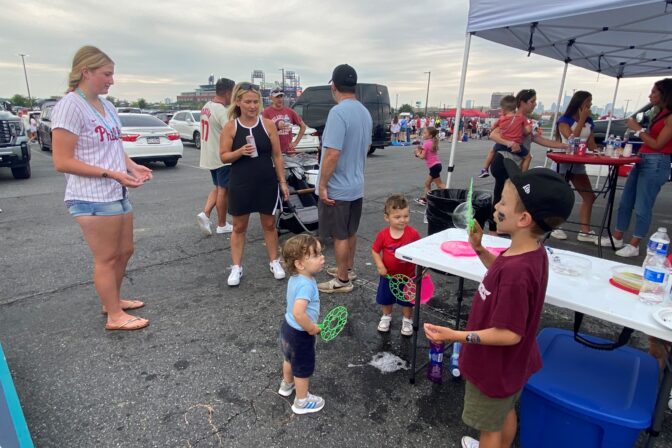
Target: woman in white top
(576, 121)
(87, 147)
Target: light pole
(25, 73)
(396, 104)
(429, 76)
(283, 79)
(625, 113)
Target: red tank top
(656, 128)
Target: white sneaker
(312, 403)
(628, 251)
(226, 228)
(204, 223)
(286, 389)
(276, 269)
(384, 324)
(468, 442)
(605, 242)
(406, 327)
(589, 237)
(235, 275)
(559, 234)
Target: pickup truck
(14, 151)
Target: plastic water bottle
(658, 241)
(571, 143)
(455, 360)
(656, 274)
(656, 269)
(617, 146)
(435, 369)
(609, 146)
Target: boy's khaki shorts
(485, 413)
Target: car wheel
(171, 162)
(22, 172)
(197, 140)
(371, 151)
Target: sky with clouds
(163, 48)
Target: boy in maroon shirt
(500, 350)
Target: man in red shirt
(284, 118)
(500, 351)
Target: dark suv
(315, 103)
(14, 151)
(619, 127)
(44, 126)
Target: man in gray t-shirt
(345, 143)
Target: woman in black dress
(257, 170)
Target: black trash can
(442, 203)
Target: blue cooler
(587, 398)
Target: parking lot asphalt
(206, 371)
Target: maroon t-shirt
(511, 296)
(386, 244)
(285, 114)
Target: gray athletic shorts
(341, 220)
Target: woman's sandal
(123, 326)
(134, 305)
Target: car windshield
(140, 121)
(197, 116)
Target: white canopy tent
(619, 38)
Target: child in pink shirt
(429, 153)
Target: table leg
(460, 295)
(661, 404)
(416, 320)
(612, 179)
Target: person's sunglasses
(247, 86)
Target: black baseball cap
(544, 193)
(344, 75)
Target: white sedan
(310, 142)
(146, 138)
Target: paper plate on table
(664, 317)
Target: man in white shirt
(214, 116)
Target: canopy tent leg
(606, 135)
(557, 105)
(458, 110)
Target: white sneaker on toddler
(406, 326)
(384, 324)
(312, 403)
(286, 389)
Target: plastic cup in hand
(250, 141)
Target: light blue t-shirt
(301, 287)
(348, 130)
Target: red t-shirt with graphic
(285, 115)
(511, 296)
(387, 245)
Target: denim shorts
(220, 176)
(298, 349)
(86, 208)
(578, 168)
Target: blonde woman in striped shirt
(87, 147)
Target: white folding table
(591, 294)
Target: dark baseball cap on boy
(344, 75)
(544, 193)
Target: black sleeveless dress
(253, 182)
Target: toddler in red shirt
(500, 349)
(388, 240)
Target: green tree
(19, 100)
(405, 108)
(142, 104)
(113, 100)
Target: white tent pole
(458, 110)
(606, 135)
(557, 105)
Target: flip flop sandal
(123, 326)
(135, 304)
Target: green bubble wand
(470, 207)
(333, 323)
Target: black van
(315, 102)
